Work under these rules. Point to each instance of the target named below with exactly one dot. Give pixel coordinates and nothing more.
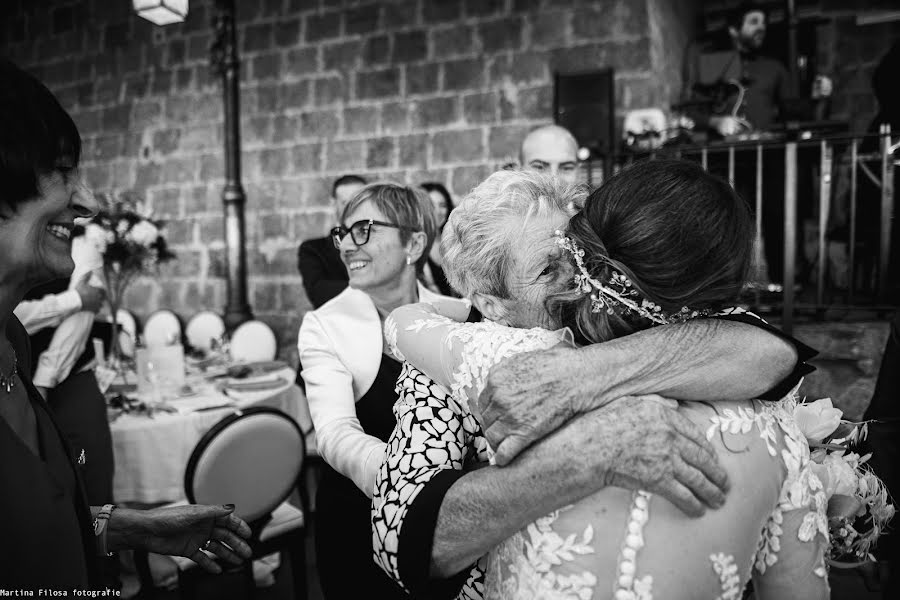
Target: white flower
(817, 420)
(143, 233)
(841, 475)
(97, 237)
(122, 227)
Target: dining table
(152, 446)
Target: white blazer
(340, 346)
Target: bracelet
(100, 529)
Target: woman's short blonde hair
(407, 206)
(478, 235)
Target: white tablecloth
(151, 453)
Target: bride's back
(620, 544)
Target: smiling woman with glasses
(384, 237)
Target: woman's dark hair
(434, 186)
(682, 236)
(37, 136)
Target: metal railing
(847, 160)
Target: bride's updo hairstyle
(680, 235)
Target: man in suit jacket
(324, 275)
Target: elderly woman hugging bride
(662, 243)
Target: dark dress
(343, 530)
(46, 528)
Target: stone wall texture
(407, 90)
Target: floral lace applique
(390, 330)
(801, 488)
(723, 565)
(390, 336)
(523, 565)
(486, 344)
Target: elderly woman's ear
(415, 247)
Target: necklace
(8, 381)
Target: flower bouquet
(131, 243)
(859, 507)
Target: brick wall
(409, 90)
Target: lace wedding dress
(615, 543)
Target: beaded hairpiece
(619, 292)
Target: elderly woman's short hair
(37, 136)
(407, 206)
(478, 235)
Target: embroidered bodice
(615, 543)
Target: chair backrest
(161, 328)
(203, 328)
(252, 459)
(128, 331)
(253, 341)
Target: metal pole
(887, 210)
(790, 233)
(758, 240)
(851, 274)
(224, 59)
(790, 15)
(703, 159)
(825, 159)
(731, 166)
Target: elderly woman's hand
(638, 444)
(185, 531)
(530, 395)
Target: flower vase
(115, 359)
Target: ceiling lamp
(162, 12)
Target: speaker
(584, 103)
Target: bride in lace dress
(659, 243)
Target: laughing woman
(350, 374)
(51, 536)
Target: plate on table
(255, 384)
(266, 366)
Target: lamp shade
(162, 12)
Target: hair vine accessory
(620, 292)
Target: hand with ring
(190, 531)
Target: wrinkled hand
(91, 296)
(527, 397)
(647, 445)
(183, 530)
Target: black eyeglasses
(360, 230)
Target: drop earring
(408, 259)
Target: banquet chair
(225, 468)
(204, 328)
(253, 341)
(162, 328)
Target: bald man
(551, 149)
